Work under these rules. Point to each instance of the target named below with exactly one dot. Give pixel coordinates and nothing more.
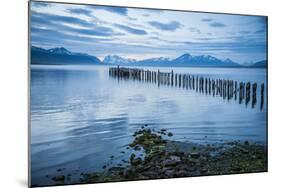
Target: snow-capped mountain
(203, 61)
(60, 51)
(114, 59)
(63, 56)
(60, 56)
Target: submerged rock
(59, 178)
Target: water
(80, 116)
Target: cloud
(116, 10)
(244, 32)
(131, 30)
(145, 15)
(40, 4)
(80, 11)
(206, 20)
(217, 24)
(204, 39)
(61, 19)
(56, 22)
(171, 26)
(131, 18)
(261, 31)
(194, 30)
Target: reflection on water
(80, 116)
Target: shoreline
(155, 156)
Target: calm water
(80, 116)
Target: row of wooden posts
(227, 89)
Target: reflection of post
(262, 96)
(254, 95)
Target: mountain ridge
(62, 55)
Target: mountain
(160, 61)
(260, 64)
(114, 59)
(203, 61)
(59, 56)
(185, 60)
(63, 56)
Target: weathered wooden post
(179, 80)
(248, 91)
(209, 86)
(254, 94)
(235, 90)
(183, 81)
(172, 78)
(196, 83)
(176, 80)
(158, 78)
(193, 82)
(262, 96)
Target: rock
(172, 162)
(132, 156)
(170, 134)
(136, 161)
(246, 142)
(137, 148)
(181, 173)
(194, 155)
(59, 178)
(169, 173)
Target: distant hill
(260, 64)
(59, 56)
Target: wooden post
(172, 78)
(183, 81)
(254, 94)
(176, 80)
(248, 91)
(158, 78)
(262, 96)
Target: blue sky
(145, 33)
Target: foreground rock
(169, 159)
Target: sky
(147, 33)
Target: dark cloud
(61, 19)
(80, 11)
(40, 4)
(171, 26)
(217, 24)
(56, 22)
(116, 10)
(130, 29)
(206, 20)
